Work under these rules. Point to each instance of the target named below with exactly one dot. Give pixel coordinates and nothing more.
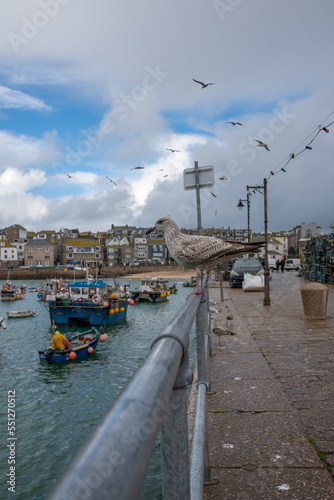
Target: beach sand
(173, 274)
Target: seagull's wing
(197, 81)
(265, 145)
(260, 142)
(202, 250)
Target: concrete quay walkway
(271, 413)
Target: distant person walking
(282, 265)
(277, 265)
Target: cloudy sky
(91, 89)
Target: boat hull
(79, 315)
(21, 314)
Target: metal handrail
(113, 463)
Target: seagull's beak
(150, 230)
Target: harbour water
(58, 407)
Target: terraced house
(83, 252)
(39, 253)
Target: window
(47, 249)
(39, 249)
(69, 248)
(30, 256)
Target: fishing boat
(12, 292)
(172, 288)
(79, 346)
(21, 314)
(190, 283)
(88, 303)
(151, 290)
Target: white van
(272, 263)
(292, 264)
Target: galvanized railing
(113, 463)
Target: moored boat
(151, 290)
(88, 303)
(190, 283)
(21, 314)
(79, 346)
(12, 292)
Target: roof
(82, 243)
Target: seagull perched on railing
(199, 252)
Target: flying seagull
(166, 175)
(69, 176)
(137, 168)
(199, 252)
(235, 123)
(173, 150)
(262, 144)
(213, 194)
(222, 178)
(204, 85)
(111, 180)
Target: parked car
(241, 266)
(292, 264)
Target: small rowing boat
(79, 346)
(21, 314)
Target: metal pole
(198, 200)
(266, 300)
(248, 217)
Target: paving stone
(241, 365)
(259, 440)
(270, 484)
(257, 395)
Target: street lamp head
(240, 205)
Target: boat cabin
(84, 290)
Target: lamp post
(241, 206)
(266, 300)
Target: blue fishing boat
(88, 303)
(79, 346)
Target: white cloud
(10, 98)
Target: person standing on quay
(282, 265)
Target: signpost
(198, 178)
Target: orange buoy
(131, 302)
(122, 309)
(116, 310)
(111, 311)
(90, 350)
(72, 355)
(103, 337)
(113, 296)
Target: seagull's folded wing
(204, 250)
